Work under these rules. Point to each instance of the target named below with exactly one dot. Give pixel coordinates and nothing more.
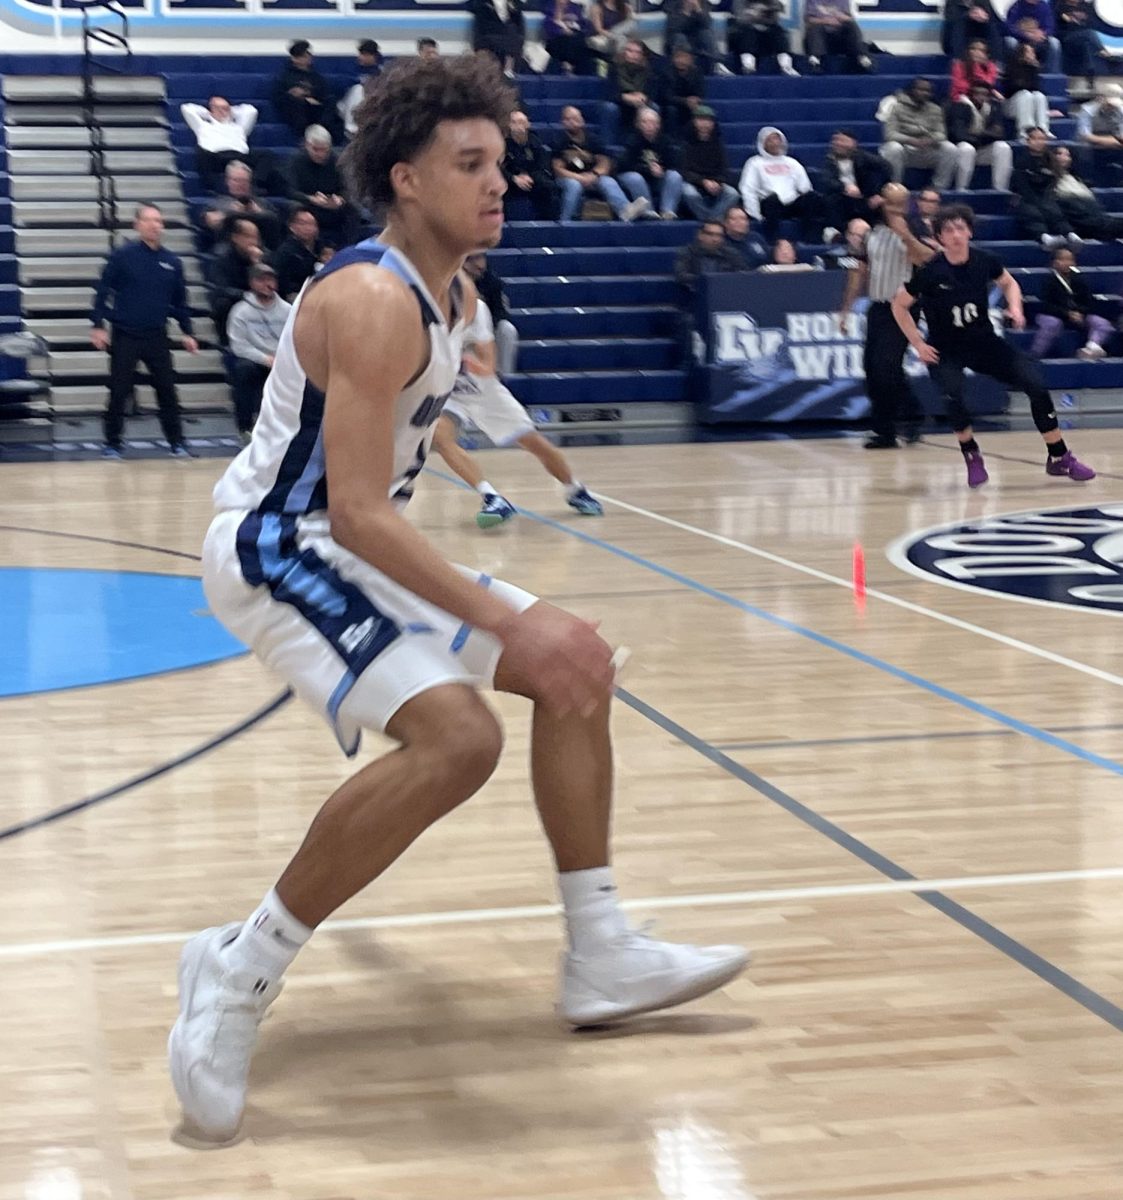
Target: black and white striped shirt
(888, 262)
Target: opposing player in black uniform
(953, 290)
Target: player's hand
(843, 322)
(927, 354)
(1017, 318)
(563, 659)
(99, 339)
(473, 365)
(190, 344)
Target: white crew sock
(268, 942)
(571, 489)
(485, 489)
(592, 908)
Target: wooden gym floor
(876, 801)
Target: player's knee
(468, 751)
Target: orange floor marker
(859, 577)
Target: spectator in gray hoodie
(254, 330)
(916, 135)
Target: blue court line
(1050, 973)
(219, 739)
(821, 639)
(878, 739)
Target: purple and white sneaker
(1068, 464)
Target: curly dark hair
(953, 212)
(404, 107)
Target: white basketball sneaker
(211, 1043)
(636, 974)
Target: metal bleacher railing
(94, 35)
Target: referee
(147, 285)
(892, 250)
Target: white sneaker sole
(190, 1133)
(718, 976)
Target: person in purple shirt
(565, 34)
(1032, 21)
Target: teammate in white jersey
(312, 563)
(479, 400)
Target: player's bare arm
(1012, 293)
(902, 303)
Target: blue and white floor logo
(1062, 556)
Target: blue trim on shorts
(338, 610)
(465, 630)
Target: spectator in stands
(499, 28)
(490, 289)
(316, 183)
(582, 167)
(1099, 129)
(635, 86)
(915, 133)
(1082, 47)
(427, 49)
(565, 34)
(927, 205)
(528, 170)
(976, 128)
(755, 36)
(1031, 22)
(775, 188)
(229, 270)
(1026, 104)
(253, 331)
(369, 61)
(239, 199)
(1067, 302)
(613, 22)
(301, 254)
(300, 92)
(685, 90)
(785, 257)
(690, 27)
(146, 283)
(830, 27)
(708, 254)
(1078, 202)
(739, 236)
(221, 133)
(1033, 201)
(705, 166)
(648, 168)
(976, 66)
(966, 21)
(852, 179)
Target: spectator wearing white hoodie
(253, 331)
(774, 187)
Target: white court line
(476, 916)
(1014, 643)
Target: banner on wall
(774, 353)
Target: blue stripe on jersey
(338, 610)
(300, 476)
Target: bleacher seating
(595, 302)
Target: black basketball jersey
(956, 298)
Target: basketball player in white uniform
(311, 562)
(479, 400)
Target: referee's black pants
(997, 358)
(887, 385)
(126, 350)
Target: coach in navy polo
(146, 284)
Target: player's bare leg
(496, 509)
(576, 494)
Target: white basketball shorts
(483, 402)
(347, 639)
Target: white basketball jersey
(282, 470)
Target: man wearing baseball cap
(254, 331)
